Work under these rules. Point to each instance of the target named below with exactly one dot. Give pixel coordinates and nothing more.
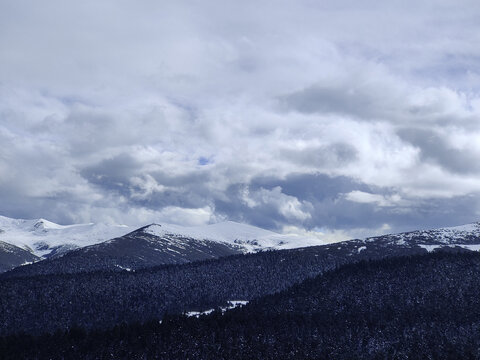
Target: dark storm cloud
(374, 95)
(22, 207)
(322, 193)
(330, 209)
(326, 194)
(235, 209)
(434, 147)
(112, 173)
(331, 155)
(338, 100)
(125, 176)
(310, 187)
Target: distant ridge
(80, 248)
(47, 239)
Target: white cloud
(377, 199)
(186, 217)
(145, 186)
(326, 236)
(329, 236)
(169, 84)
(288, 206)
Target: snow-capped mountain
(157, 244)
(457, 238)
(464, 236)
(249, 238)
(44, 238)
(89, 247)
(245, 237)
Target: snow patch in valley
(473, 247)
(124, 268)
(361, 248)
(232, 304)
(430, 248)
(199, 313)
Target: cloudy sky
(345, 118)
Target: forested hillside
(419, 307)
(100, 299)
(103, 299)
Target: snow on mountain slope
(464, 235)
(45, 238)
(248, 238)
(252, 239)
(154, 245)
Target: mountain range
(158, 271)
(48, 248)
(87, 293)
(46, 239)
(112, 246)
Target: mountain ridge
(42, 237)
(158, 244)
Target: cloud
(332, 236)
(146, 186)
(368, 198)
(193, 113)
(375, 94)
(287, 206)
(188, 217)
(437, 147)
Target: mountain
(93, 300)
(165, 244)
(458, 238)
(66, 299)
(138, 249)
(46, 239)
(246, 237)
(12, 256)
(157, 244)
(415, 307)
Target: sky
(334, 118)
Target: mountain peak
(44, 224)
(152, 228)
(42, 237)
